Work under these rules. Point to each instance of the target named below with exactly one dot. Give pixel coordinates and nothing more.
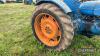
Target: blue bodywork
(95, 29)
(85, 15)
(90, 8)
(73, 4)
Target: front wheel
(52, 27)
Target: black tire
(64, 21)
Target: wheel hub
(48, 27)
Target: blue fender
(59, 3)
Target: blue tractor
(56, 22)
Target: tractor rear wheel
(52, 27)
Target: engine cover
(91, 8)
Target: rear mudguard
(59, 3)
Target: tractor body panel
(73, 4)
(59, 3)
(91, 8)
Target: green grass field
(16, 37)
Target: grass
(16, 37)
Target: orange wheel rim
(47, 29)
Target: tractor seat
(91, 8)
